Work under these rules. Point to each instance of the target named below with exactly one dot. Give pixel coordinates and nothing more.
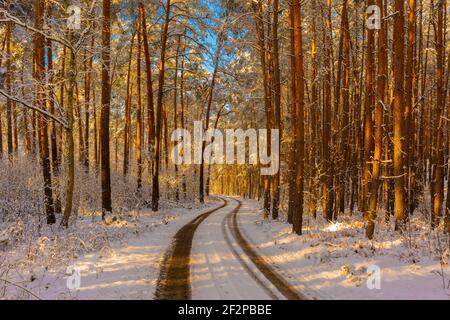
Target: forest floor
(122, 259)
(334, 260)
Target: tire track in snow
(227, 221)
(174, 281)
(270, 273)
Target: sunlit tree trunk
(87, 105)
(379, 107)
(277, 103)
(265, 70)
(399, 112)
(128, 100)
(327, 179)
(438, 158)
(149, 86)
(139, 123)
(175, 111)
(53, 128)
(70, 145)
(162, 66)
(409, 101)
(292, 148)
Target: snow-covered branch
(30, 106)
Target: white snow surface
(124, 266)
(216, 272)
(330, 260)
(121, 260)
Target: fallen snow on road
(333, 260)
(118, 260)
(217, 272)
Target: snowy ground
(216, 270)
(331, 260)
(123, 265)
(121, 260)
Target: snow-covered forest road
(222, 263)
(225, 249)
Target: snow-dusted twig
(30, 106)
(15, 20)
(21, 287)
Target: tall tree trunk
(87, 105)
(299, 128)
(96, 130)
(139, 123)
(207, 113)
(148, 72)
(327, 179)
(162, 66)
(369, 104)
(175, 111)
(1, 124)
(70, 145)
(128, 100)
(409, 99)
(183, 52)
(292, 147)
(9, 71)
(53, 128)
(105, 110)
(399, 112)
(438, 176)
(39, 51)
(379, 107)
(277, 104)
(265, 70)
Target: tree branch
(43, 112)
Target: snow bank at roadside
(117, 260)
(333, 261)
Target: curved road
(210, 258)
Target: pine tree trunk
(149, 86)
(105, 110)
(379, 107)
(277, 104)
(399, 112)
(299, 128)
(53, 129)
(87, 104)
(9, 71)
(139, 123)
(39, 52)
(157, 149)
(127, 129)
(265, 70)
(438, 176)
(70, 145)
